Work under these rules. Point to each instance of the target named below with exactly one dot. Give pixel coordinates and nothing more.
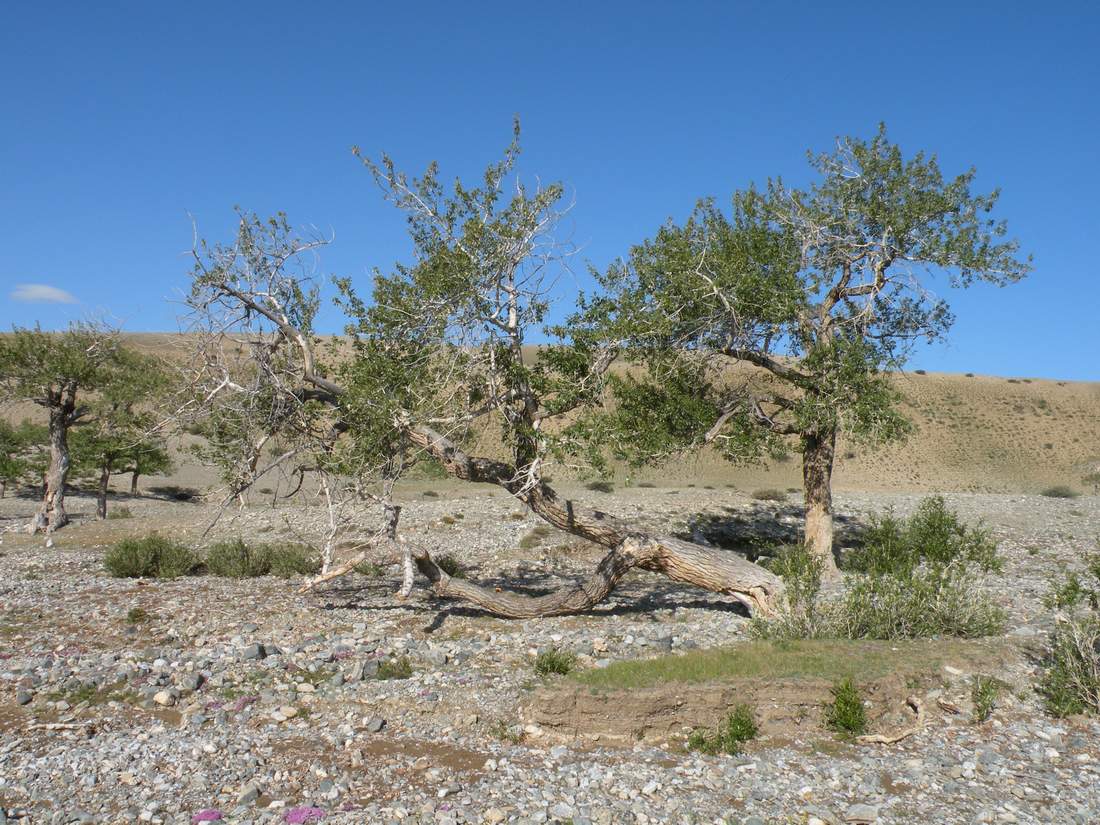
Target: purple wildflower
(208, 815)
(299, 816)
(243, 702)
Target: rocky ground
(244, 701)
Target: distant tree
(147, 458)
(20, 449)
(57, 371)
(813, 292)
(117, 435)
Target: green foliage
(399, 668)
(1060, 491)
(152, 556)
(138, 615)
(983, 696)
(600, 486)
(1070, 683)
(22, 456)
(120, 512)
(555, 662)
(729, 737)
(451, 566)
(845, 714)
(235, 559)
(911, 579)
(933, 536)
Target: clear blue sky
(120, 118)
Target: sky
(121, 122)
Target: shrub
(1070, 683)
(1060, 491)
(600, 486)
(451, 566)
(845, 714)
(913, 579)
(430, 494)
(400, 668)
(983, 695)
(369, 568)
(120, 511)
(554, 661)
(735, 730)
(152, 556)
(236, 560)
(769, 494)
(921, 372)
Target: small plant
(769, 494)
(236, 560)
(451, 566)
(983, 696)
(1060, 491)
(370, 569)
(511, 733)
(555, 661)
(845, 714)
(138, 615)
(735, 730)
(430, 494)
(120, 511)
(646, 484)
(152, 556)
(921, 372)
(288, 560)
(600, 486)
(400, 668)
(535, 537)
(1070, 683)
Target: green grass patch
(828, 659)
(555, 662)
(400, 668)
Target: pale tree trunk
(51, 513)
(101, 494)
(710, 568)
(133, 483)
(818, 453)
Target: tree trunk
(709, 568)
(51, 513)
(3, 489)
(818, 453)
(101, 497)
(133, 483)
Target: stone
(375, 724)
(494, 816)
(23, 696)
(164, 698)
(254, 651)
(860, 813)
(249, 794)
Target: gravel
(246, 701)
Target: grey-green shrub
(554, 662)
(236, 559)
(152, 557)
(845, 714)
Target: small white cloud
(42, 293)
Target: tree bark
(133, 483)
(101, 494)
(706, 567)
(818, 454)
(51, 513)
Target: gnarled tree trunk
(101, 492)
(62, 410)
(706, 567)
(818, 453)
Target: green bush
(1060, 491)
(152, 557)
(736, 729)
(289, 560)
(600, 486)
(1070, 683)
(120, 511)
(554, 661)
(845, 714)
(451, 566)
(236, 559)
(912, 579)
(983, 696)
